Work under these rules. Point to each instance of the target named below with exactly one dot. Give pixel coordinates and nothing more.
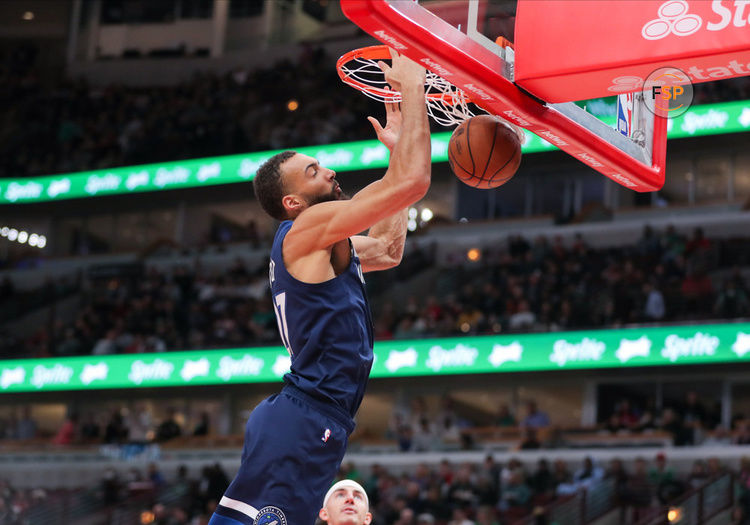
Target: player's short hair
(346, 483)
(268, 186)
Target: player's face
(304, 176)
(346, 506)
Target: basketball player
(295, 440)
(346, 503)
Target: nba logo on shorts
(326, 435)
(270, 516)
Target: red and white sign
(580, 49)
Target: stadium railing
(581, 508)
(697, 506)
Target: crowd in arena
(525, 286)
(445, 493)
(72, 126)
(687, 422)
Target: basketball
(484, 152)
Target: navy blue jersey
(327, 329)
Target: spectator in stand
(654, 308)
(647, 419)
(504, 417)
(512, 466)
(640, 488)
(425, 437)
(731, 301)
(670, 422)
(139, 424)
(203, 426)
(589, 474)
(27, 427)
(742, 437)
(435, 504)
(68, 432)
(619, 476)
(516, 496)
(698, 474)
(90, 429)
(719, 437)
(613, 424)
(698, 246)
(693, 409)
(663, 479)
(405, 437)
(697, 291)
(115, 432)
(462, 492)
(530, 441)
(542, 482)
(169, 428)
(714, 467)
(626, 415)
(106, 345)
(448, 430)
(110, 487)
(743, 482)
(534, 417)
(563, 478)
(523, 319)
(154, 475)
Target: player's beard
(336, 194)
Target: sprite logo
(247, 366)
(586, 350)
(700, 344)
(58, 374)
(159, 370)
(460, 356)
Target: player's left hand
(388, 135)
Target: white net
(446, 104)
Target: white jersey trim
(239, 506)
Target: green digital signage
(729, 117)
(661, 346)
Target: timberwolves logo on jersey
(270, 516)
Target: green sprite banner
(664, 346)
(729, 117)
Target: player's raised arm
(383, 247)
(405, 182)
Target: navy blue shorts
(293, 449)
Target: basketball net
(446, 104)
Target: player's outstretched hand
(388, 135)
(402, 72)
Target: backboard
(458, 40)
